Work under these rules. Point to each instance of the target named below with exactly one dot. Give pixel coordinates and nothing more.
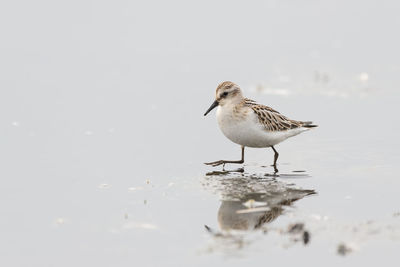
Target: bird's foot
(216, 163)
(275, 169)
(223, 162)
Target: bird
(249, 124)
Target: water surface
(103, 137)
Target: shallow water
(102, 134)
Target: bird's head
(226, 93)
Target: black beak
(213, 105)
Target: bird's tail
(308, 124)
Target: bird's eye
(225, 94)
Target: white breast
(247, 131)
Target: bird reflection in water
(249, 202)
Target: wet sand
(103, 137)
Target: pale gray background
(102, 137)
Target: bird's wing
(272, 120)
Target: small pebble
(296, 228)
(343, 249)
(364, 77)
(60, 221)
(306, 237)
(102, 186)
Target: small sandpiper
(249, 124)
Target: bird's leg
(275, 159)
(220, 162)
